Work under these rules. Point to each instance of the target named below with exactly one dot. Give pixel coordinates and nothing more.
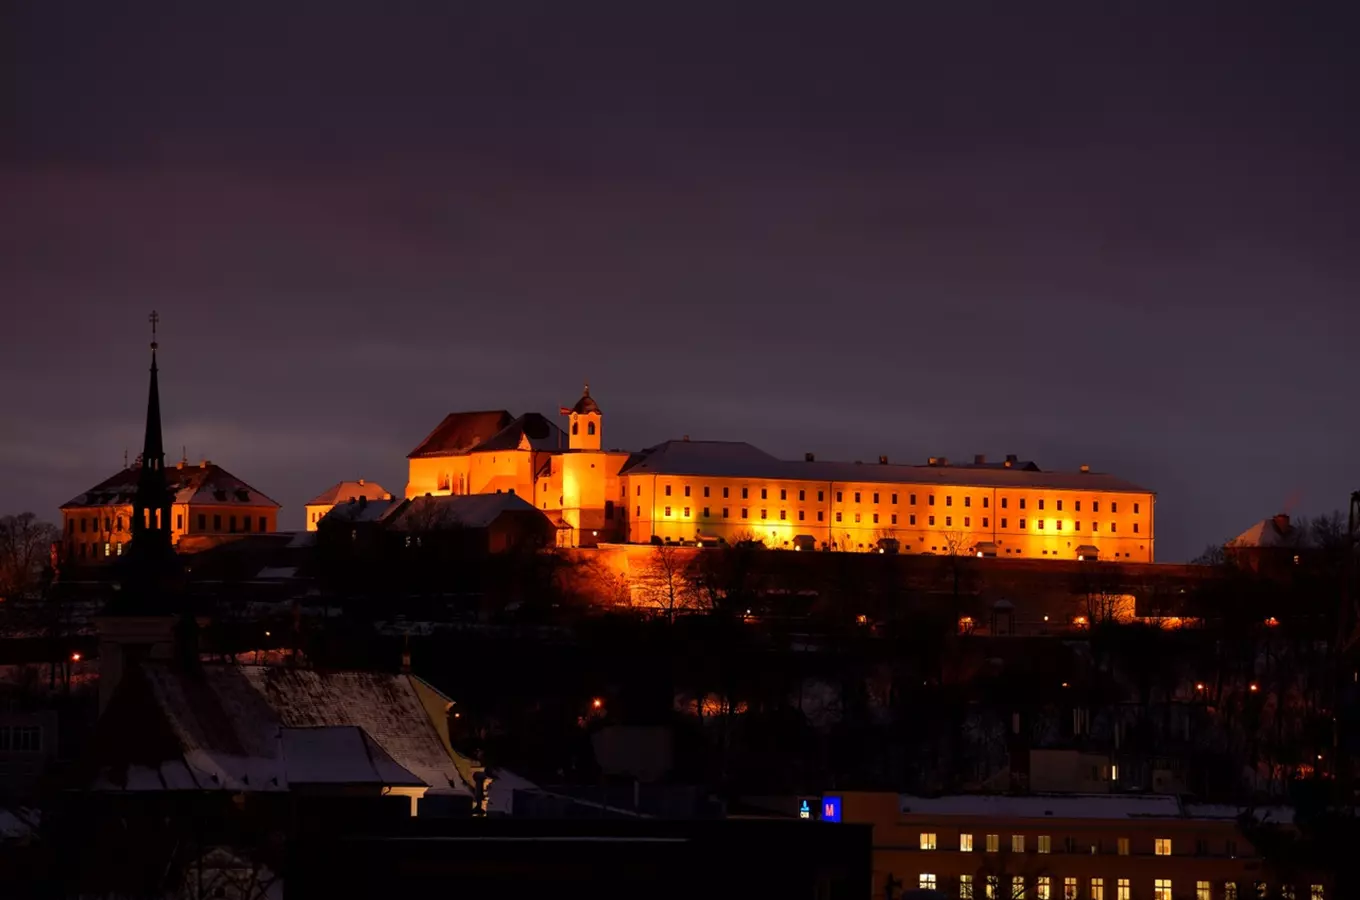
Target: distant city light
(1199, 685)
(596, 703)
(75, 657)
(1252, 687)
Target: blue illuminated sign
(831, 809)
(804, 810)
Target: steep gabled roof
(531, 431)
(204, 484)
(460, 432)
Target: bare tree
(666, 583)
(25, 547)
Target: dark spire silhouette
(150, 565)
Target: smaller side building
(343, 492)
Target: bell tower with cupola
(585, 423)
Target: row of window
(911, 519)
(911, 498)
(1044, 844)
(20, 739)
(1162, 888)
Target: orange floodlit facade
(208, 500)
(711, 491)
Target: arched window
(590, 428)
(575, 427)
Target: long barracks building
(687, 491)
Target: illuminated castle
(708, 491)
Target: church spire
(151, 554)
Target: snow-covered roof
(455, 511)
(735, 459)
(1279, 815)
(1071, 806)
(531, 431)
(206, 484)
(241, 728)
(360, 510)
(1273, 531)
(347, 490)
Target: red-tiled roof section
(203, 484)
(460, 432)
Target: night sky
(1108, 232)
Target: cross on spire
(154, 319)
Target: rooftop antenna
(124, 457)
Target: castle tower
(139, 622)
(586, 424)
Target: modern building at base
(706, 491)
(207, 500)
(342, 492)
(1062, 847)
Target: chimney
(1085, 470)
(809, 457)
(1012, 458)
(883, 460)
(205, 463)
(361, 482)
(979, 459)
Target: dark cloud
(1112, 234)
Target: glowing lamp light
(1081, 558)
(1045, 618)
(596, 703)
(979, 554)
(1199, 685)
(861, 619)
(1252, 687)
(75, 657)
(1271, 622)
(1064, 684)
(266, 634)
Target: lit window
(1230, 890)
(1097, 884)
(993, 843)
(965, 843)
(1121, 889)
(1315, 892)
(1069, 888)
(1162, 847)
(1043, 887)
(108, 549)
(1017, 843)
(927, 840)
(1017, 887)
(927, 881)
(993, 887)
(1287, 892)
(1203, 891)
(1161, 889)
(1045, 844)
(965, 887)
